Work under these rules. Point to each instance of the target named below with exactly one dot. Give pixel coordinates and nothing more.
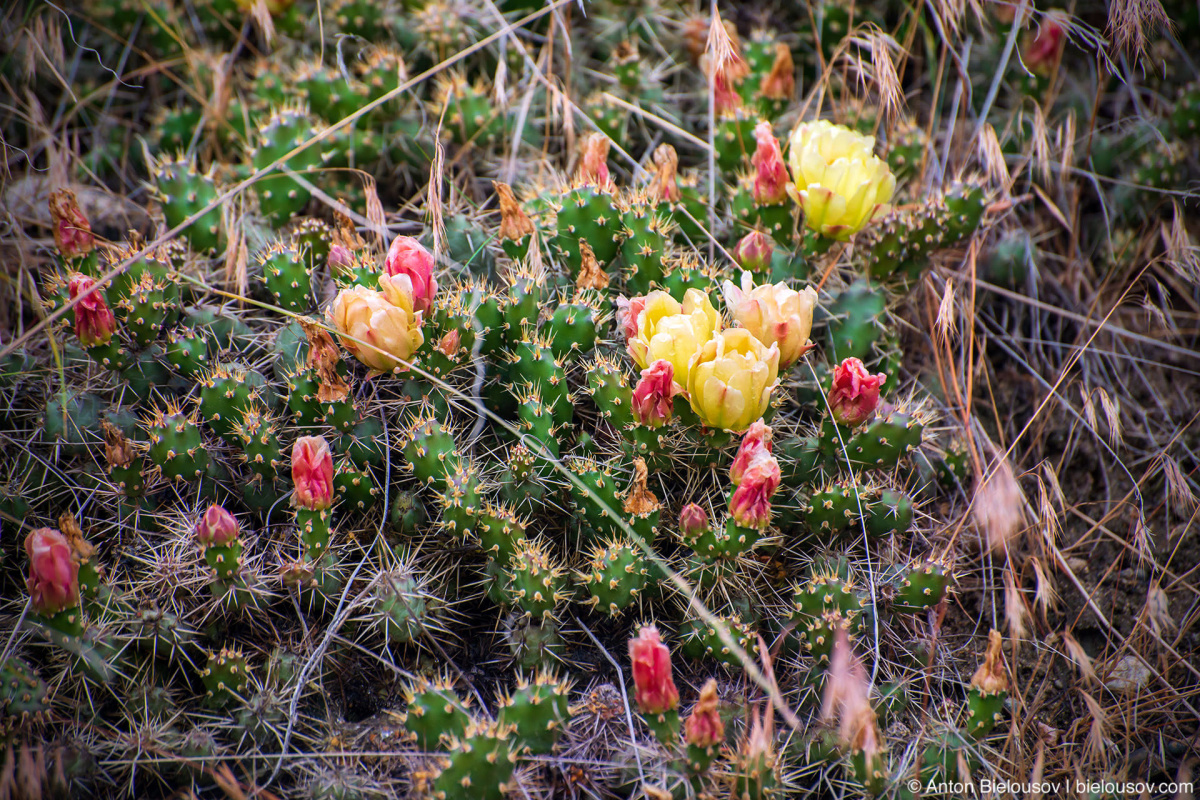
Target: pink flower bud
(94, 321)
(593, 164)
(1042, 51)
(855, 393)
(693, 521)
(771, 176)
(730, 72)
(628, 311)
(409, 259)
(755, 440)
(703, 728)
(312, 473)
(750, 505)
(753, 252)
(217, 528)
(340, 258)
(653, 393)
(53, 574)
(72, 231)
(449, 344)
(656, 692)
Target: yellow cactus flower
(775, 314)
(384, 319)
(837, 178)
(671, 331)
(731, 379)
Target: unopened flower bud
(652, 396)
(756, 439)
(449, 344)
(693, 521)
(94, 320)
(593, 163)
(750, 505)
(1042, 51)
(312, 473)
(771, 176)
(656, 692)
(753, 251)
(628, 310)
(340, 258)
(72, 231)
(855, 393)
(217, 528)
(408, 260)
(53, 580)
(703, 728)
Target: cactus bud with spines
(615, 575)
(539, 709)
(430, 450)
(227, 392)
(698, 639)
(53, 580)
(989, 689)
(176, 446)
(182, 190)
(703, 730)
(644, 242)
(403, 608)
(287, 275)
(652, 397)
(218, 534)
(460, 502)
(610, 391)
(354, 487)
(533, 579)
(753, 252)
(225, 676)
(435, 712)
(313, 495)
(258, 435)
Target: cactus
(225, 676)
(700, 640)
(533, 580)
(615, 576)
(538, 710)
(176, 446)
(588, 214)
(287, 276)
(227, 393)
(288, 127)
(923, 586)
(23, 693)
(436, 715)
(183, 191)
(479, 763)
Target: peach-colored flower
(855, 393)
(409, 260)
(53, 580)
(656, 692)
(384, 319)
(312, 473)
(775, 314)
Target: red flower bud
(693, 521)
(703, 728)
(408, 258)
(94, 320)
(855, 393)
(217, 528)
(771, 176)
(72, 231)
(656, 692)
(53, 574)
(340, 258)
(653, 393)
(1042, 51)
(312, 473)
(750, 505)
(753, 252)
(755, 440)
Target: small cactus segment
(700, 640)
(533, 580)
(989, 690)
(472, 118)
(479, 763)
(354, 487)
(227, 394)
(280, 196)
(176, 446)
(257, 433)
(823, 605)
(460, 502)
(572, 330)
(183, 191)
(22, 691)
(644, 244)
(225, 676)
(534, 365)
(146, 309)
(403, 609)
(539, 709)
(431, 451)
(611, 392)
(889, 513)
(188, 351)
(599, 490)
(303, 388)
(533, 643)
(286, 273)
(836, 507)
(313, 526)
(734, 140)
(501, 533)
(923, 586)
(435, 712)
(588, 214)
(853, 325)
(615, 576)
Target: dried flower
(593, 164)
(312, 473)
(664, 186)
(94, 320)
(72, 231)
(855, 392)
(217, 528)
(991, 677)
(656, 692)
(412, 265)
(652, 397)
(53, 580)
(703, 727)
(731, 379)
(770, 177)
(838, 180)
(515, 224)
(775, 314)
(780, 82)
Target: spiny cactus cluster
(367, 463)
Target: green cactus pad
(287, 276)
(533, 580)
(182, 191)
(479, 763)
(225, 676)
(176, 446)
(22, 691)
(539, 710)
(615, 576)
(436, 714)
(923, 586)
(700, 640)
(354, 487)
